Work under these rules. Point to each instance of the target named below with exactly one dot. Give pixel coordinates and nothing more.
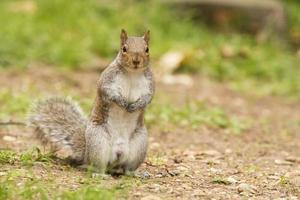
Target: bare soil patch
(263, 162)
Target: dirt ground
(263, 162)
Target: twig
(12, 123)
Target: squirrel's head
(134, 51)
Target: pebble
(228, 151)
(244, 187)
(145, 175)
(178, 159)
(232, 180)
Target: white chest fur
(132, 86)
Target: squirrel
(114, 139)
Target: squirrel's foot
(101, 176)
(130, 173)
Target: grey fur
(61, 124)
(115, 138)
(104, 85)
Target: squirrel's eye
(124, 50)
(147, 50)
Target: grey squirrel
(115, 138)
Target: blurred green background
(59, 47)
(72, 33)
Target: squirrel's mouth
(136, 67)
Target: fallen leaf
(9, 138)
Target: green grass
(24, 177)
(220, 180)
(7, 157)
(13, 104)
(193, 115)
(70, 34)
(19, 186)
(25, 158)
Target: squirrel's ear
(147, 36)
(123, 37)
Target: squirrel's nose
(119, 154)
(136, 62)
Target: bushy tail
(61, 124)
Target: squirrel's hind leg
(137, 150)
(98, 148)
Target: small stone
(228, 151)
(161, 174)
(9, 138)
(232, 180)
(145, 175)
(244, 187)
(178, 159)
(283, 162)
